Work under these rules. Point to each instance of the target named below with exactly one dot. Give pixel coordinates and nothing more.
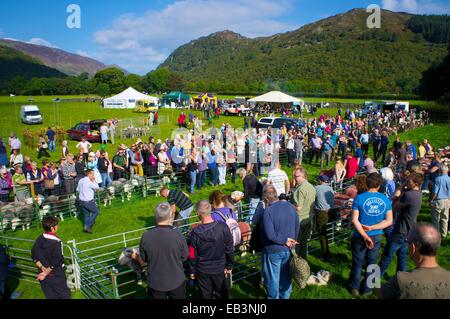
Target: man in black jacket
(47, 255)
(211, 254)
(164, 249)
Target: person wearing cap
(327, 150)
(69, 173)
(5, 185)
(163, 159)
(120, 163)
(376, 140)
(323, 203)
(92, 164)
(64, 149)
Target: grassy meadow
(138, 213)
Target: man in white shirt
(14, 143)
(85, 146)
(279, 180)
(86, 199)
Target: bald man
(428, 280)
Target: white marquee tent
(275, 97)
(127, 99)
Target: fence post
(114, 282)
(76, 266)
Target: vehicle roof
(93, 122)
(30, 107)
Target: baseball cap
(324, 178)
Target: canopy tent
(127, 99)
(274, 97)
(180, 98)
(276, 101)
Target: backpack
(234, 228)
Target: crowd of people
(284, 211)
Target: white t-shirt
(84, 146)
(278, 178)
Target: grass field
(138, 214)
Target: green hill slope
(335, 55)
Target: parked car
(235, 109)
(88, 130)
(30, 114)
(277, 122)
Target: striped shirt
(278, 178)
(178, 199)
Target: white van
(30, 114)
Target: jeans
(214, 175)
(201, 176)
(52, 146)
(362, 257)
(90, 211)
(299, 155)
(327, 155)
(252, 208)
(193, 179)
(106, 180)
(277, 274)
(395, 244)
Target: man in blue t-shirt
(371, 213)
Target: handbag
(300, 270)
(49, 184)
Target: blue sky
(138, 35)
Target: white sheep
(125, 260)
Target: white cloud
(417, 6)
(139, 43)
(39, 41)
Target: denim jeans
(193, 178)
(214, 175)
(252, 208)
(201, 176)
(277, 275)
(362, 257)
(106, 180)
(90, 211)
(51, 146)
(395, 244)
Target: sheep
(125, 260)
(128, 189)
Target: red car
(88, 130)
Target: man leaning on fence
(164, 249)
(47, 255)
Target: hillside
(14, 63)
(334, 55)
(68, 63)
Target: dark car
(277, 122)
(89, 130)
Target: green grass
(138, 213)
